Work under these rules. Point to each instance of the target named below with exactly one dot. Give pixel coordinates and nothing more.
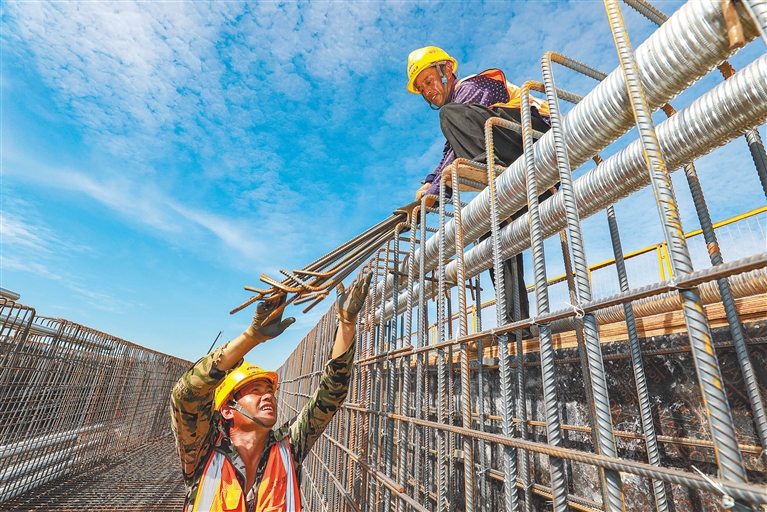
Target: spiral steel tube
(690, 44)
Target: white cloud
(12, 263)
(17, 232)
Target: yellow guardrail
(664, 265)
(661, 249)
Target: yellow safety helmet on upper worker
(242, 375)
(422, 58)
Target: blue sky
(157, 156)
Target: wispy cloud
(38, 269)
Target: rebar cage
(645, 392)
(71, 398)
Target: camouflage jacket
(198, 429)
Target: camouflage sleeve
(322, 406)
(191, 411)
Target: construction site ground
(147, 478)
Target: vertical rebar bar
(468, 448)
(443, 502)
(645, 410)
(509, 455)
(728, 456)
(483, 480)
(604, 439)
(553, 429)
(421, 341)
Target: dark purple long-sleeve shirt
(477, 90)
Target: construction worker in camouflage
(464, 105)
(223, 413)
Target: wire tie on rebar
(577, 309)
(672, 283)
(728, 501)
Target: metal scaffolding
(649, 396)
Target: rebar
(697, 130)
(72, 397)
(678, 54)
(709, 374)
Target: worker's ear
(448, 68)
(226, 412)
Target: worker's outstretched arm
(348, 305)
(334, 382)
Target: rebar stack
(72, 397)
(647, 398)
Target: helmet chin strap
(237, 407)
(441, 70)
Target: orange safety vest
(220, 491)
(513, 90)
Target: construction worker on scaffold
(223, 413)
(464, 105)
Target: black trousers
(464, 128)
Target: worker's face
(429, 84)
(258, 398)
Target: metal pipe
(5, 293)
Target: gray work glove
(349, 302)
(265, 328)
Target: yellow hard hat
(422, 58)
(241, 376)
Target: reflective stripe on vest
(220, 491)
(513, 90)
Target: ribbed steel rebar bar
(553, 431)
(421, 341)
(468, 443)
(509, 456)
(604, 439)
(709, 375)
(645, 410)
(521, 404)
(484, 468)
(392, 339)
(406, 373)
(443, 500)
